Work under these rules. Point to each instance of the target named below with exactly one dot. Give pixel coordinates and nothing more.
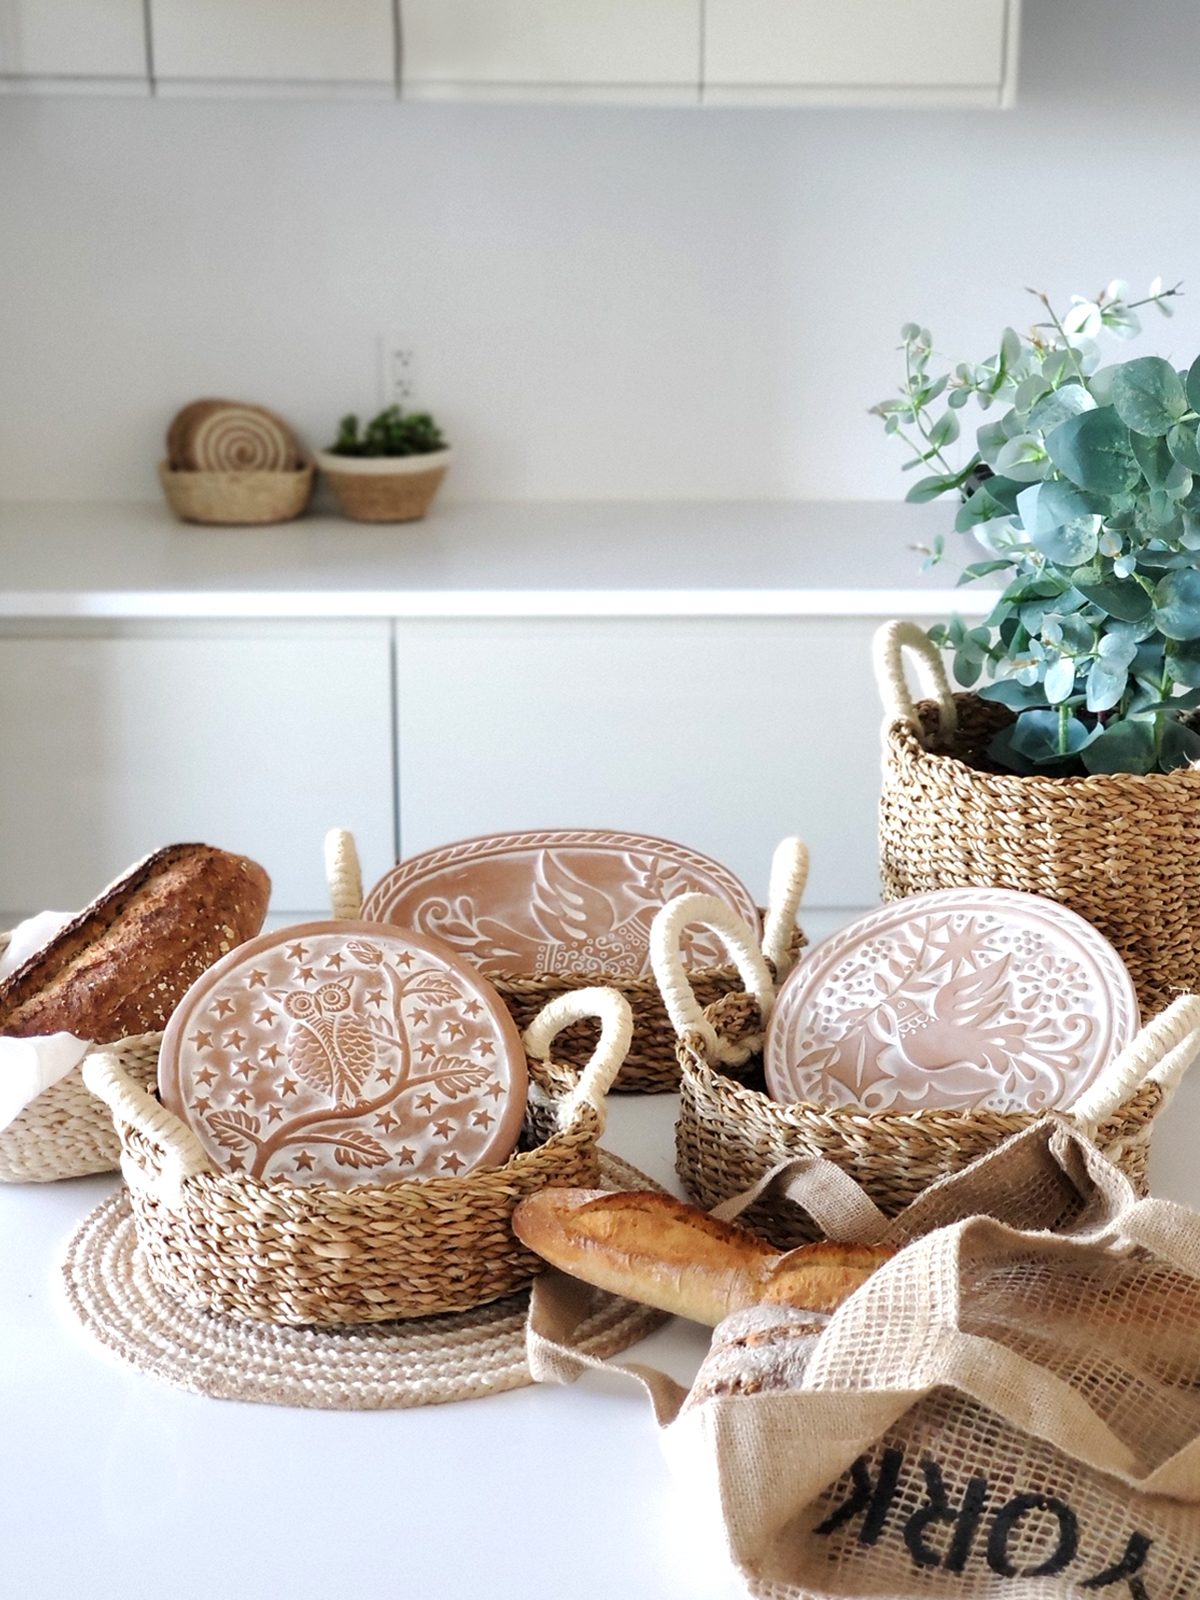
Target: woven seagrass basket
(651, 1066)
(731, 1134)
(272, 1251)
(1122, 849)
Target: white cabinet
(205, 43)
(61, 43)
(255, 737)
(725, 734)
(548, 49)
(797, 51)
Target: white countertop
(829, 558)
(115, 1487)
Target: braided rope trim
(377, 1366)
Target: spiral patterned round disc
(227, 436)
(345, 1053)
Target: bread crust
(123, 964)
(653, 1248)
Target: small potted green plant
(1069, 772)
(391, 470)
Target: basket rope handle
(616, 1034)
(678, 996)
(890, 643)
(343, 874)
(181, 1153)
(789, 875)
(1162, 1052)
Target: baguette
(124, 963)
(655, 1249)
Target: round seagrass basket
(731, 1134)
(385, 488)
(651, 1066)
(1122, 849)
(267, 1250)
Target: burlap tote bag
(1008, 1408)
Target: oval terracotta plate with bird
(570, 900)
(959, 999)
(345, 1053)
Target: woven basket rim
(420, 1193)
(902, 733)
(849, 1116)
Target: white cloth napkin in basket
(27, 1066)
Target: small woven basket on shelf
(1121, 848)
(652, 1066)
(731, 1134)
(268, 1250)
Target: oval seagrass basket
(731, 1134)
(1122, 848)
(651, 1066)
(272, 1251)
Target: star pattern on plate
(334, 1056)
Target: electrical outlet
(397, 371)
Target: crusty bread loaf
(124, 963)
(655, 1249)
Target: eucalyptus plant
(1085, 493)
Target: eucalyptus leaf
(1182, 444)
(1094, 451)
(1180, 746)
(1106, 683)
(929, 489)
(1069, 401)
(1192, 385)
(1177, 605)
(1148, 396)
(1122, 747)
(1127, 601)
(1183, 663)
(1008, 692)
(1060, 681)
(1153, 456)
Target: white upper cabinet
(328, 43)
(850, 52)
(640, 50)
(66, 43)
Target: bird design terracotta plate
(567, 901)
(965, 998)
(345, 1053)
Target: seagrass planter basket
(731, 1135)
(1122, 849)
(272, 1251)
(651, 1066)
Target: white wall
(606, 302)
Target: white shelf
(703, 559)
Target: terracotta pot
(385, 488)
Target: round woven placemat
(370, 1367)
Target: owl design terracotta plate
(966, 998)
(568, 901)
(345, 1053)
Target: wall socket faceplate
(397, 370)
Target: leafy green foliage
(391, 433)
(1085, 493)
